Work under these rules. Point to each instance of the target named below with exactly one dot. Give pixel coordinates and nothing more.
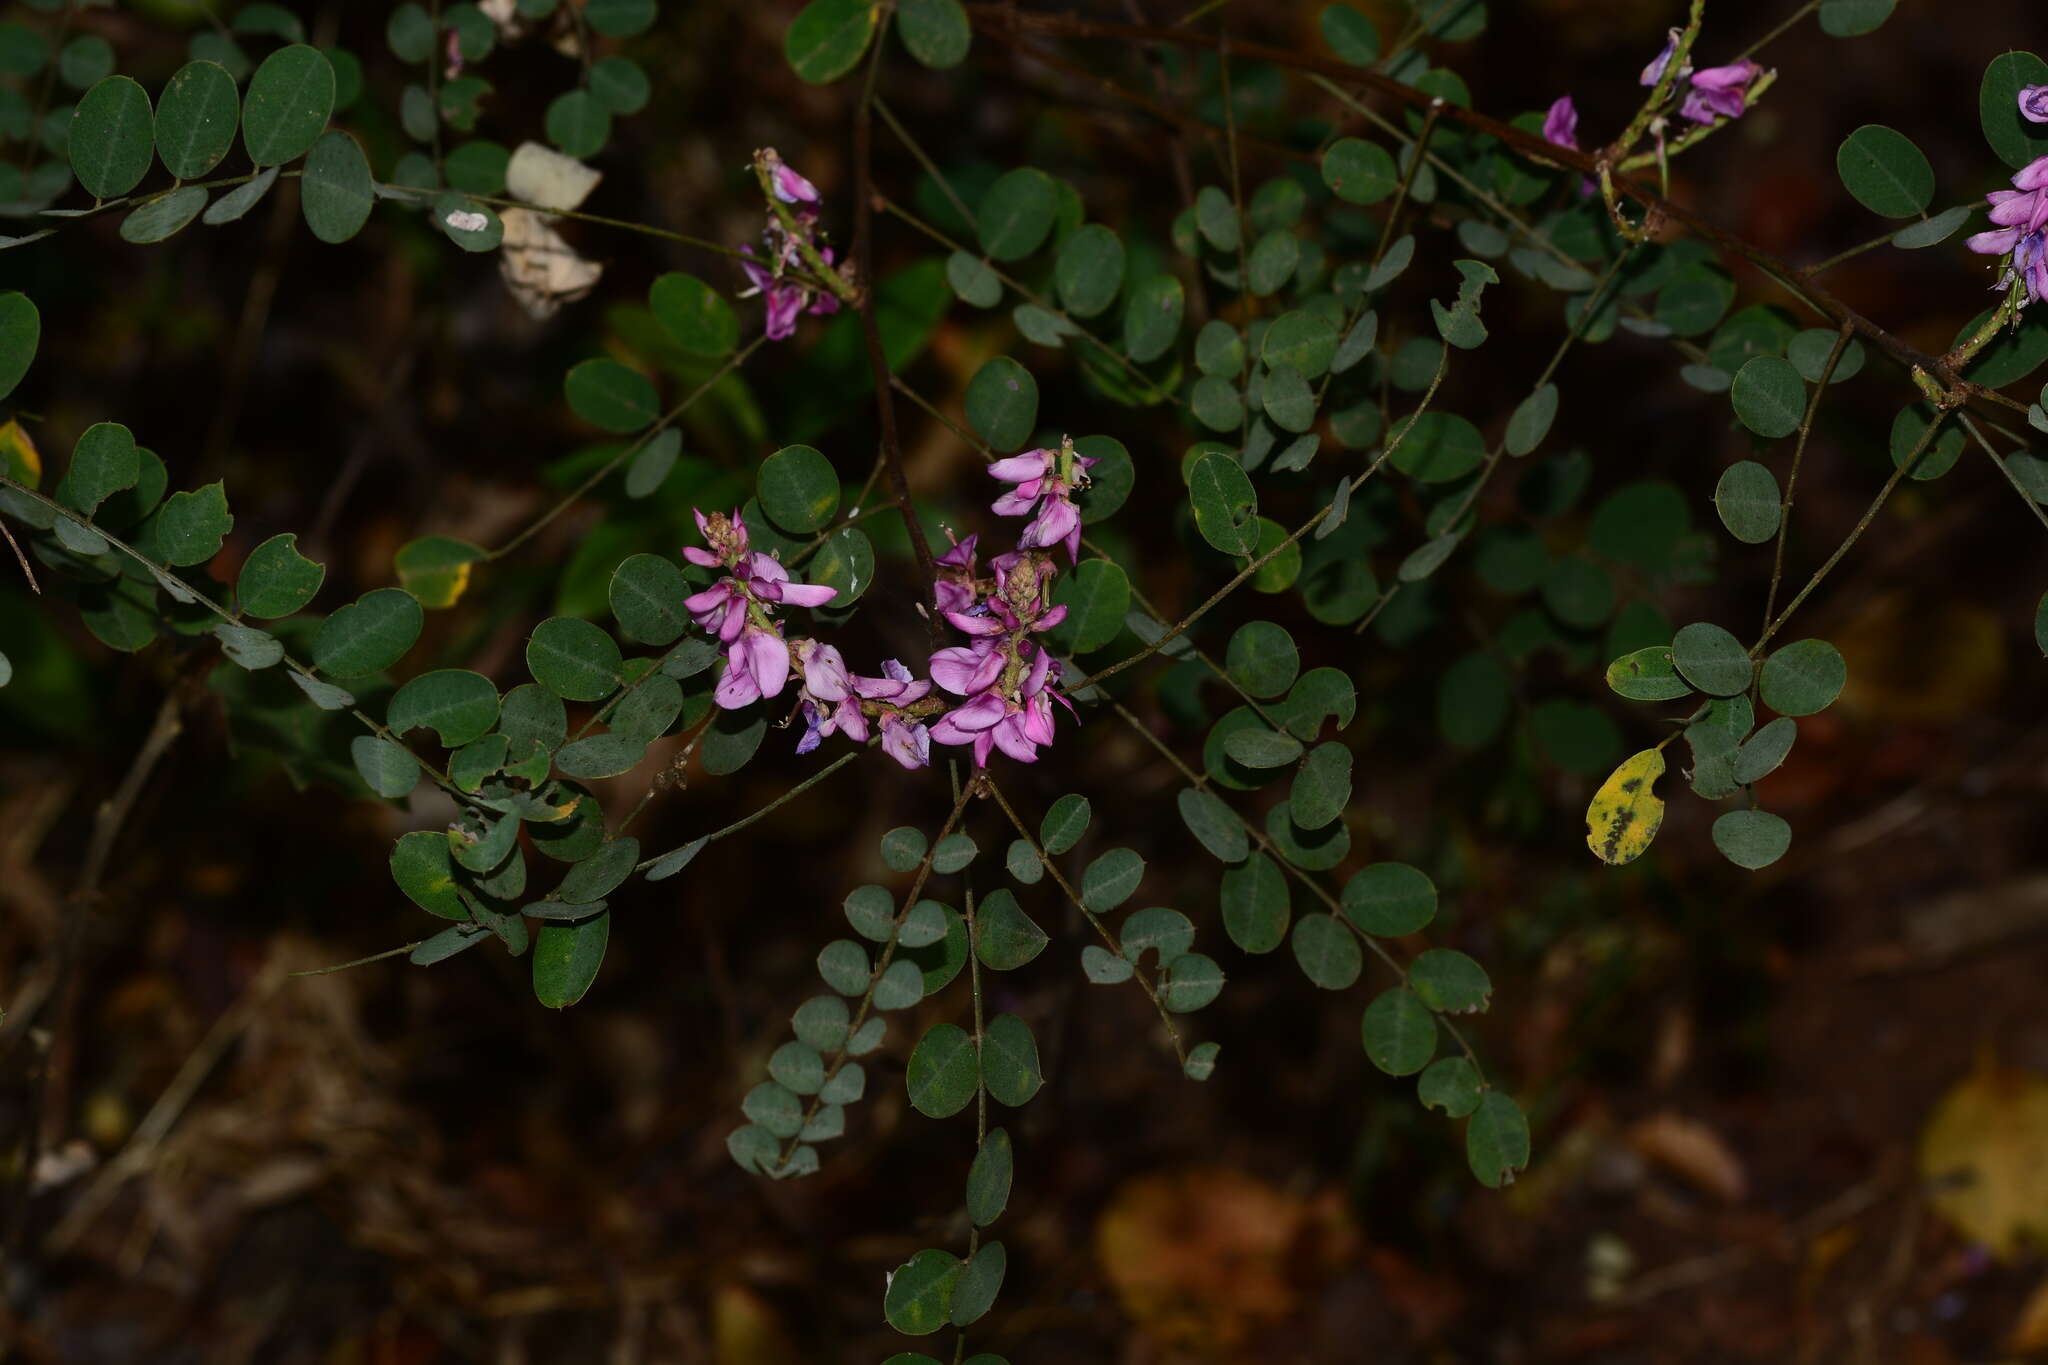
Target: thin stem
(399, 951)
(931, 168)
(2005, 469)
(577, 216)
(163, 575)
(1792, 479)
(1094, 921)
(604, 471)
(736, 826)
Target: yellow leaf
(435, 569)
(1625, 813)
(1984, 1154)
(19, 459)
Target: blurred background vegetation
(1730, 1074)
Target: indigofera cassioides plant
(1284, 398)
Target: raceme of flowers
(1003, 677)
(789, 231)
(2021, 216)
(1711, 94)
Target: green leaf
(249, 647)
(935, 32)
(694, 315)
(1254, 904)
(988, 1179)
(1496, 1140)
(620, 18)
(1005, 937)
(620, 84)
(164, 216)
(919, 1299)
(1436, 447)
(1803, 679)
(336, 194)
(454, 703)
(595, 877)
(85, 60)
(1853, 18)
(979, 1284)
(942, 1075)
(1328, 953)
(530, 714)
(286, 109)
(574, 659)
(1009, 1061)
(421, 867)
(240, 200)
(1089, 270)
(1262, 659)
(1350, 35)
(1097, 596)
(1103, 967)
(103, 462)
(1226, 507)
(1711, 659)
(1452, 1085)
(1319, 695)
(2012, 138)
(1274, 259)
(1647, 675)
(189, 527)
(1212, 822)
(651, 467)
(826, 39)
(1016, 212)
(871, 910)
(973, 281)
(436, 569)
(732, 741)
(1191, 982)
(1399, 1032)
(1769, 397)
(447, 944)
(323, 695)
(387, 769)
(196, 119)
(797, 1067)
(903, 848)
(1885, 172)
(1749, 502)
(566, 958)
(578, 123)
(845, 561)
(1258, 747)
(901, 986)
(844, 966)
(775, 1107)
(1322, 786)
(1360, 172)
(822, 1022)
(1763, 751)
(21, 331)
(1531, 421)
(798, 490)
(647, 593)
(1064, 823)
(1152, 317)
(1289, 402)
(1940, 454)
(368, 635)
(1002, 404)
(605, 755)
(456, 216)
(1021, 862)
(1110, 879)
(409, 32)
(1459, 324)
(1449, 982)
(111, 141)
(1809, 351)
(925, 923)
(611, 397)
(1930, 232)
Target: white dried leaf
(463, 220)
(543, 176)
(542, 271)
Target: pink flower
(790, 187)
(1561, 124)
(954, 588)
(905, 740)
(1654, 72)
(827, 697)
(2021, 214)
(756, 666)
(1719, 92)
(1011, 711)
(2034, 103)
(1044, 496)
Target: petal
(769, 657)
(1050, 617)
(954, 667)
(808, 594)
(1016, 502)
(974, 625)
(1993, 243)
(1012, 740)
(1032, 464)
(703, 557)
(1561, 124)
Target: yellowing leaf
(1984, 1155)
(19, 459)
(435, 569)
(1625, 812)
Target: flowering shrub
(1312, 338)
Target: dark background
(1728, 1073)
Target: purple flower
(1561, 124)
(2034, 103)
(954, 588)
(2021, 214)
(727, 537)
(1012, 713)
(756, 666)
(1719, 92)
(1654, 72)
(828, 700)
(1045, 496)
(790, 187)
(905, 740)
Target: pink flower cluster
(783, 239)
(1715, 92)
(1003, 677)
(2021, 234)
